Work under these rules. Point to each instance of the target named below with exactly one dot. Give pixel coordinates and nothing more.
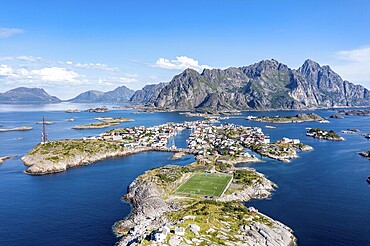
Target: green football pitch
(206, 184)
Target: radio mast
(44, 135)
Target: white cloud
(181, 63)
(356, 55)
(20, 58)
(99, 66)
(7, 71)
(7, 32)
(354, 65)
(56, 74)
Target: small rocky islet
(4, 158)
(355, 112)
(365, 154)
(323, 134)
(104, 123)
(21, 128)
(299, 118)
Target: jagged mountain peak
(267, 84)
(309, 65)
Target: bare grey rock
(147, 94)
(264, 85)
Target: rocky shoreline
(299, 118)
(151, 204)
(4, 158)
(21, 128)
(323, 134)
(40, 163)
(365, 154)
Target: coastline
(43, 164)
(150, 201)
(152, 206)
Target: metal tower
(44, 135)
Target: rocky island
(336, 116)
(324, 134)
(21, 128)
(4, 158)
(356, 112)
(288, 119)
(104, 123)
(365, 154)
(58, 156)
(98, 110)
(162, 215)
(73, 111)
(282, 150)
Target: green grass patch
(205, 184)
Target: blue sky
(68, 47)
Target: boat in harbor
(368, 179)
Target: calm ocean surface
(322, 196)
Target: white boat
(271, 127)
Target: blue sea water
(322, 196)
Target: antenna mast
(44, 135)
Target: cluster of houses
(140, 136)
(289, 141)
(156, 136)
(160, 235)
(225, 138)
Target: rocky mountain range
(119, 95)
(27, 95)
(147, 94)
(267, 84)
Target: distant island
(356, 112)
(324, 134)
(27, 95)
(104, 123)
(98, 110)
(336, 116)
(21, 128)
(288, 119)
(73, 111)
(121, 94)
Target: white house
(180, 231)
